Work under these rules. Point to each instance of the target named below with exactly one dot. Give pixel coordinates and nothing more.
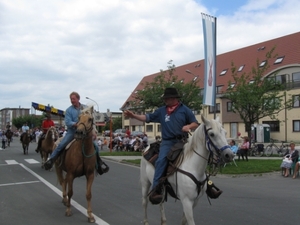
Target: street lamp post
(195, 77)
(93, 101)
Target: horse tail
(59, 174)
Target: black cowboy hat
(171, 93)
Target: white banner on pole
(209, 33)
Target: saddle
(175, 157)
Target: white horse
(208, 140)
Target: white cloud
(102, 49)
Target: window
(263, 63)
(231, 86)
(296, 125)
(229, 106)
(149, 128)
(218, 89)
(281, 79)
(274, 125)
(279, 60)
(223, 72)
(158, 128)
(296, 79)
(271, 103)
(296, 101)
(201, 92)
(211, 108)
(241, 68)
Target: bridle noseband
(209, 143)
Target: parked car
(137, 133)
(120, 131)
(106, 133)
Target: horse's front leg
(90, 179)
(188, 215)
(69, 183)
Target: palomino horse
(26, 139)
(79, 160)
(9, 134)
(208, 142)
(48, 144)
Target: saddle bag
(175, 151)
(152, 154)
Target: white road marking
(11, 162)
(74, 203)
(31, 161)
(28, 182)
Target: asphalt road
(31, 195)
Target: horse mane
(197, 138)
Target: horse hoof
(91, 220)
(68, 214)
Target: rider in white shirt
(25, 128)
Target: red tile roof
(286, 46)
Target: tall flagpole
(215, 70)
(210, 49)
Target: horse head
(85, 123)
(215, 139)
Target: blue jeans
(162, 161)
(65, 141)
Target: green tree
(31, 120)
(149, 98)
(253, 96)
(116, 124)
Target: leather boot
(156, 195)
(49, 163)
(101, 166)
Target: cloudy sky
(102, 48)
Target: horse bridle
(85, 129)
(209, 143)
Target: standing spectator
(37, 135)
(128, 132)
(3, 138)
(145, 140)
(243, 151)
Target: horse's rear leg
(89, 179)
(145, 190)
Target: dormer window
(263, 63)
(279, 60)
(241, 68)
(223, 72)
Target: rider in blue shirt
(176, 120)
(71, 119)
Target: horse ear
(205, 121)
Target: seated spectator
(126, 142)
(243, 151)
(233, 146)
(288, 160)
